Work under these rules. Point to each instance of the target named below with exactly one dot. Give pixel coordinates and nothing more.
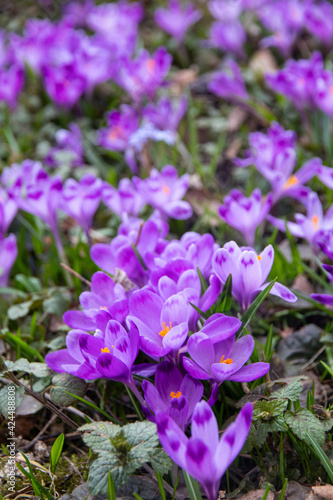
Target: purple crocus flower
(80, 199)
(229, 36)
(215, 354)
(8, 254)
(325, 242)
(120, 254)
(323, 92)
(11, 83)
(204, 456)
(225, 11)
(108, 354)
(309, 226)
(121, 125)
(35, 192)
(163, 326)
(63, 85)
(8, 209)
(297, 80)
(164, 115)
(124, 201)
(245, 214)
(274, 156)
(176, 20)
(69, 148)
(144, 75)
(172, 394)
(318, 21)
(106, 300)
(164, 191)
(229, 84)
(249, 272)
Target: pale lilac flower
(245, 214)
(228, 36)
(249, 272)
(69, 148)
(175, 19)
(229, 84)
(8, 254)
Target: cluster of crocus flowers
(176, 20)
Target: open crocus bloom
(163, 326)
(249, 272)
(204, 456)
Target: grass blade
(88, 403)
(321, 455)
(56, 452)
(192, 487)
(111, 489)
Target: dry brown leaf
(323, 492)
(263, 62)
(256, 495)
(301, 284)
(233, 149)
(236, 118)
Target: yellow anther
(227, 361)
(259, 257)
(165, 330)
(105, 349)
(151, 65)
(115, 133)
(104, 307)
(166, 189)
(175, 394)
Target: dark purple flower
(63, 85)
(8, 254)
(318, 20)
(173, 394)
(204, 456)
(229, 84)
(175, 19)
(164, 191)
(11, 83)
(163, 326)
(245, 214)
(106, 300)
(249, 272)
(80, 199)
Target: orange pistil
(151, 65)
(104, 307)
(115, 133)
(166, 189)
(175, 394)
(315, 222)
(165, 330)
(105, 349)
(259, 257)
(227, 361)
(292, 181)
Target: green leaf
(160, 461)
(19, 310)
(248, 315)
(30, 283)
(56, 452)
(291, 391)
(192, 487)
(92, 405)
(121, 450)
(266, 410)
(6, 401)
(39, 370)
(58, 303)
(15, 341)
(111, 489)
(62, 382)
(304, 423)
(321, 455)
(226, 297)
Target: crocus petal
(233, 439)
(266, 261)
(147, 307)
(167, 379)
(204, 425)
(153, 398)
(193, 391)
(200, 464)
(176, 337)
(172, 438)
(195, 370)
(112, 367)
(174, 311)
(201, 350)
(281, 291)
(323, 298)
(250, 372)
(178, 411)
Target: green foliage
(63, 382)
(4, 401)
(303, 423)
(56, 451)
(122, 450)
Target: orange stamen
(151, 65)
(175, 394)
(115, 133)
(166, 189)
(259, 257)
(105, 349)
(227, 361)
(292, 181)
(104, 307)
(315, 222)
(165, 330)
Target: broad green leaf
(266, 410)
(10, 399)
(99, 434)
(160, 461)
(303, 422)
(40, 370)
(65, 382)
(291, 391)
(19, 310)
(30, 283)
